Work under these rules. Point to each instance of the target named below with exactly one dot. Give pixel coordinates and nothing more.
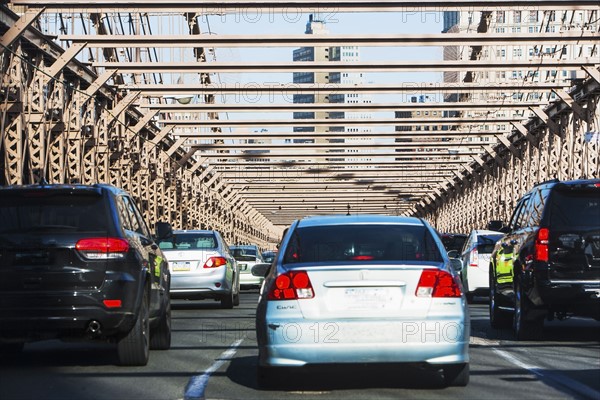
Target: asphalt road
(213, 356)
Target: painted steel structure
(94, 106)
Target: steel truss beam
(331, 40)
(349, 107)
(290, 89)
(342, 66)
(329, 7)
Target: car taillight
(215, 262)
(103, 248)
(474, 258)
(540, 249)
(437, 283)
(292, 285)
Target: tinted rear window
(454, 242)
(243, 254)
(49, 212)
(189, 241)
(575, 208)
(486, 243)
(361, 243)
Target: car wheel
(456, 374)
(227, 300)
(160, 338)
(134, 348)
(524, 326)
(498, 319)
(236, 296)
(470, 297)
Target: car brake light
(215, 262)
(540, 250)
(103, 248)
(112, 303)
(362, 258)
(292, 285)
(474, 258)
(437, 283)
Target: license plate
(180, 266)
(370, 298)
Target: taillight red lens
(112, 303)
(540, 250)
(103, 248)
(292, 285)
(215, 262)
(362, 258)
(474, 262)
(437, 283)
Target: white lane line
(561, 379)
(197, 384)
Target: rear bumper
(41, 316)
(478, 280)
(581, 297)
(247, 278)
(203, 286)
(289, 343)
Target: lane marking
(561, 379)
(197, 384)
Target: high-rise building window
(501, 17)
(517, 17)
(533, 16)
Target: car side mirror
(456, 264)
(163, 230)
(453, 254)
(260, 269)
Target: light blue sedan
(362, 289)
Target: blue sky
(250, 22)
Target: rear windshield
(185, 241)
(243, 254)
(575, 208)
(44, 212)
(453, 242)
(361, 243)
(486, 243)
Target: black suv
(78, 261)
(548, 263)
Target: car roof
(486, 232)
(244, 246)
(358, 219)
(98, 187)
(184, 231)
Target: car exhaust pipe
(94, 328)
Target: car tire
(470, 297)
(456, 374)
(134, 348)
(525, 327)
(498, 319)
(160, 338)
(236, 296)
(227, 300)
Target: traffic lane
(88, 370)
(566, 356)
(492, 375)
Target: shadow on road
(242, 370)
